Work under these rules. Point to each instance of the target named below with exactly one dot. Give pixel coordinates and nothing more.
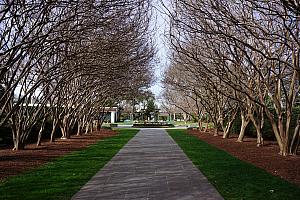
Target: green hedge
(113, 125)
(153, 125)
(267, 130)
(6, 134)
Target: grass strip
(64, 176)
(233, 178)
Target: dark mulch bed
(15, 162)
(265, 157)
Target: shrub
(153, 125)
(267, 130)
(6, 136)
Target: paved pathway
(150, 166)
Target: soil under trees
(16, 162)
(265, 157)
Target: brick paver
(151, 166)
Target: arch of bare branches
(233, 58)
(64, 61)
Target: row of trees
(64, 61)
(233, 58)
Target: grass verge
(64, 176)
(233, 178)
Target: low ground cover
(64, 176)
(233, 178)
(153, 125)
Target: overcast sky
(160, 25)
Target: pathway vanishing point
(150, 167)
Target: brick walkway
(150, 166)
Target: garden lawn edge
(64, 176)
(233, 178)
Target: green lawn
(233, 178)
(63, 177)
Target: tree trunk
(92, 127)
(54, 126)
(41, 132)
(286, 135)
(245, 122)
(227, 130)
(225, 134)
(97, 125)
(18, 143)
(276, 132)
(295, 140)
(200, 124)
(260, 140)
(258, 126)
(64, 132)
(79, 128)
(65, 128)
(102, 120)
(229, 125)
(16, 127)
(87, 128)
(216, 133)
(206, 126)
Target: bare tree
(251, 48)
(63, 60)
